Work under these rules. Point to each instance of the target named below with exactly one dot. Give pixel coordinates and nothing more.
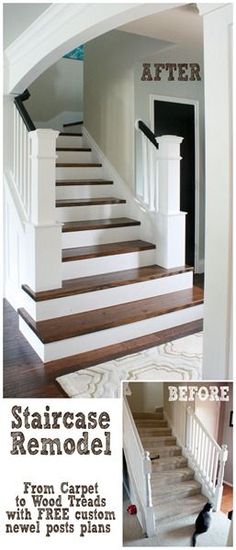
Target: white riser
(100, 236)
(79, 173)
(106, 298)
(100, 339)
(75, 156)
(71, 141)
(93, 212)
(83, 191)
(107, 264)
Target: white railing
(139, 468)
(21, 163)
(159, 192)
(31, 179)
(206, 457)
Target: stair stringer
(197, 475)
(134, 208)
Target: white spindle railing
(206, 456)
(21, 164)
(159, 191)
(139, 467)
(32, 181)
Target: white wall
(57, 94)
(109, 94)
(17, 17)
(209, 414)
(189, 90)
(145, 396)
(176, 413)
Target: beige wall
(209, 414)
(145, 396)
(109, 94)
(176, 412)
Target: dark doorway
(178, 119)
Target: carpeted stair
(175, 492)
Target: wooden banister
(147, 132)
(18, 101)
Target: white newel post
(220, 478)
(150, 517)
(170, 220)
(43, 234)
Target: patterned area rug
(177, 360)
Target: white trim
(195, 103)
(57, 31)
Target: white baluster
(145, 169)
(152, 176)
(150, 519)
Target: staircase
(175, 493)
(112, 290)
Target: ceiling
(181, 25)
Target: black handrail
(22, 110)
(148, 133)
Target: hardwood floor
(227, 499)
(24, 374)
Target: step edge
(104, 253)
(106, 326)
(35, 296)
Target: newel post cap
(44, 133)
(169, 139)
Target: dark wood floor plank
(106, 280)
(108, 249)
(69, 326)
(61, 203)
(88, 225)
(25, 376)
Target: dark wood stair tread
(114, 351)
(108, 249)
(88, 202)
(73, 123)
(81, 149)
(84, 182)
(71, 287)
(78, 165)
(71, 134)
(88, 225)
(62, 328)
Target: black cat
(202, 522)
